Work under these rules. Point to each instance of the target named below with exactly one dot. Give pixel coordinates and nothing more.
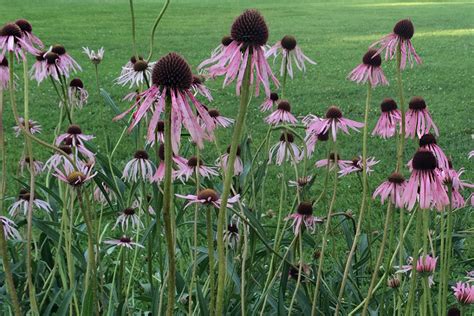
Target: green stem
(363, 204)
(97, 77)
(244, 101)
(210, 253)
(382, 250)
(416, 248)
(168, 210)
(300, 268)
(134, 38)
(195, 238)
(285, 74)
(155, 25)
(401, 149)
(324, 238)
(448, 250)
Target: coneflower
(238, 164)
(33, 126)
(123, 241)
(58, 161)
(128, 217)
(282, 114)
(341, 164)
(269, 102)
(13, 39)
(94, 57)
(370, 70)
(249, 34)
(76, 139)
(9, 228)
(37, 165)
(208, 197)
(22, 204)
(77, 94)
(418, 119)
(47, 65)
(76, 178)
(4, 73)
(285, 150)
(304, 217)
(65, 62)
(140, 167)
(390, 117)
(357, 166)
(172, 78)
(136, 73)
(401, 36)
(189, 168)
(198, 86)
(291, 53)
(464, 293)
(27, 31)
(392, 189)
(220, 120)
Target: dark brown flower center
(238, 150)
(226, 40)
(11, 29)
(172, 71)
(193, 162)
(59, 49)
(274, 96)
(74, 130)
(404, 29)
(125, 240)
(51, 58)
(76, 178)
(288, 42)
(333, 112)
(197, 80)
(324, 136)
(214, 113)
(388, 105)
(24, 25)
(286, 136)
(129, 211)
(140, 65)
(231, 228)
(427, 139)
(305, 208)
(332, 157)
(4, 62)
(250, 28)
(417, 104)
(76, 83)
(285, 106)
(370, 58)
(160, 127)
(40, 56)
(209, 195)
(66, 149)
(396, 177)
(133, 59)
(161, 152)
(424, 160)
(141, 154)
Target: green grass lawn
(336, 35)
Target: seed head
(76, 178)
(172, 71)
(427, 139)
(417, 104)
(370, 58)
(424, 160)
(74, 130)
(24, 25)
(11, 29)
(305, 208)
(288, 42)
(140, 65)
(59, 49)
(287, 136)
(404, 29)
(388, 105)
(284, 105)
(333, 112)
(208, 195)
(141, 154)
(250, 28)
(396, 178)
(76, 83)
(274, 96)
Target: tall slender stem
(448, 250)
(401, 148)
(155, 25)
(97, 78)
(210, 254)
(244, 101)
(134, 38)
(326, 232)
(363, 204)
(168, 210)
(416, 248)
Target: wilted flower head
(392, 189)
(188, 168)
(370, 70)
(123, 241)
(220, 120)
(13, 39)
(304, 216)
(282, 114)
(33, 126)
(9, 228)
(238, 164)
(25, 163)
(357, 166)
(77, 94)
(332, 122)
(418, 119)
(249, 34)
(291, 53)
(208, 197)
(400, 37)
(425, 183)
(393, 282)
(389, 118)
(94, 57)
(172, 79)
(301, 182)
(22, 204)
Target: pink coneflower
(9, 228)
(426, 264)
(452, 178)
(425, 183)
(333, 121)
(249, 35)
(291, 53)
(393, 282)
(269, 102)
(135, 74)
(189, 168)
(208, 197)
(140, 167)
(46, 65)
(369, 70)
(65, 63)
(286, 150)
(102, 193)
(160, 170)
(12, 39)
(225, 41)
(464, 293)
(392, 189)
(341, 164)
(389, 118)
(172, 79)
(231, 234)
(159, 134)
(198, 86)
(137, 204)
(220, 120)
(238, 164)
(77, 94)
(21, 205)
(356, 166)
(27, 31)
(428, 142)
(301, 182)
(76, 139)
(282, 114)
(76, 178)
(123, 241)
(33, 126)
(401, 36)
(4, 73)
(129, 64)
(94, 57)
(418, 119)
(37, 165)
(58, 161)
(304, 216)
(311, 138)
(128, 217)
